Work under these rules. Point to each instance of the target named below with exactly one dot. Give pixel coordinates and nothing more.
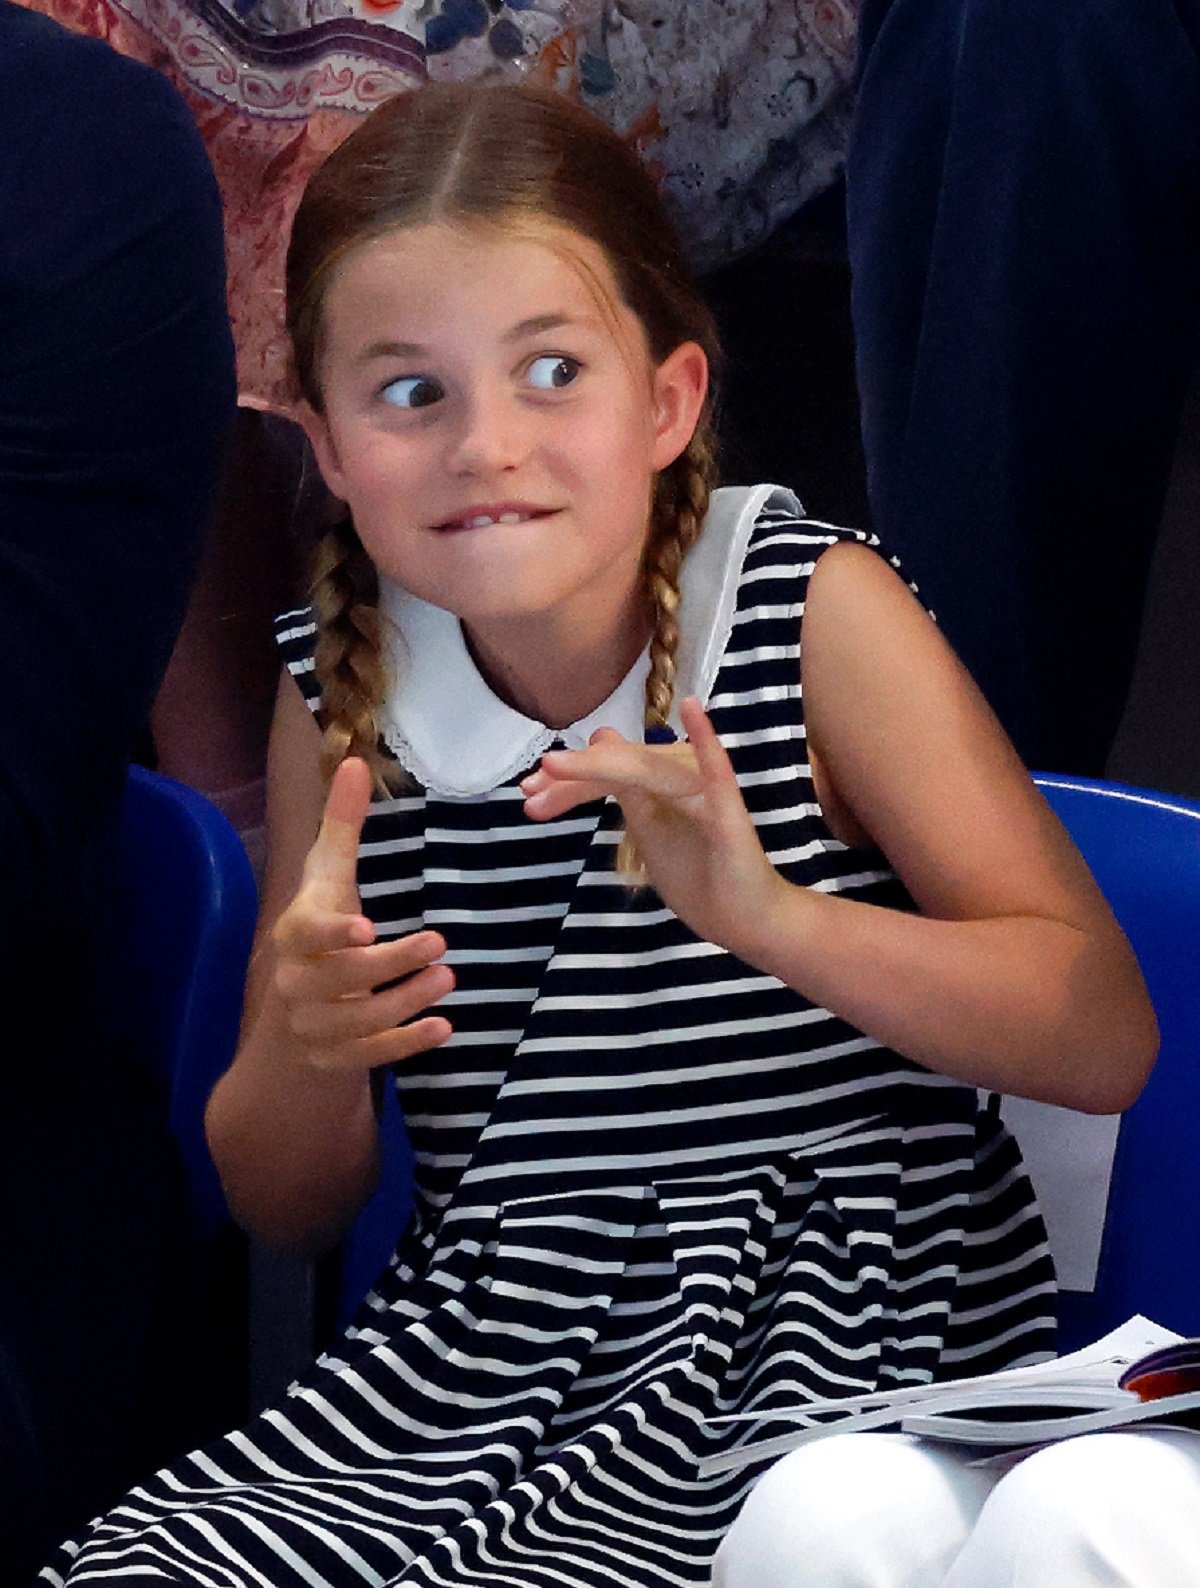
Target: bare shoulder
(865, 639)
(908, 745)
(874, 663)
(851, 589)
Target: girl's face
(494, 420)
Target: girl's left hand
(685, 813)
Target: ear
(316, 428)
(680, 387)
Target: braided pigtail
(348, 660)
(680, 502)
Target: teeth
(483, 520)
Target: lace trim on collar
(449, 731)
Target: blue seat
(1144, 851)
(371, 1240)
(189, 905)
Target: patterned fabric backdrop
(740, 107)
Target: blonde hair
(505, 154)
(348, 660)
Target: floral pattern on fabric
(274, 85)
(739, 107)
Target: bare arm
(292, 1123)
(1014, 976)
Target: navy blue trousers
(1024, 232)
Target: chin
(503, 609)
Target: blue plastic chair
(1143, 848)
(189, 905)
(371, 1240)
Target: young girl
(690, 1070)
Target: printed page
(1092, 1370)
(1181, 1411)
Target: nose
(491, 435)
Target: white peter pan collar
(455, 737)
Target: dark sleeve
(1024, 234)
(116, 388)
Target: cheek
(373, 468)
(395, 548)
(384, 499)
(619, 444)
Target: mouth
(487, 517)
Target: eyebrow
(536, 325)
(389, 350)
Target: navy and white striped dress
(655, 1185)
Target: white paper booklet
(1139, 1372)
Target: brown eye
(412, 391)
(553, 371)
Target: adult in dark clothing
(1024, 230)
(116, 387)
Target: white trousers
(1119, 1510)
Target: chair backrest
(189, 907)
(1144, 851)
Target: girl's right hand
(351, 1003)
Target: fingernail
(659, 733)
(362, 933)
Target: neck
(555, 677)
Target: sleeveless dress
(653, 1184)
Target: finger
(406, 1000)
(556, 798)
(352, 972)
(535, 782)
(387, 1047)
(614, 766)
(540, 779)
(711, 757)
(402, 956)
(330, 1023)
(332, 864)
(407, 1041)
(305, 929)
(554, 767)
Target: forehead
(412, 280)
